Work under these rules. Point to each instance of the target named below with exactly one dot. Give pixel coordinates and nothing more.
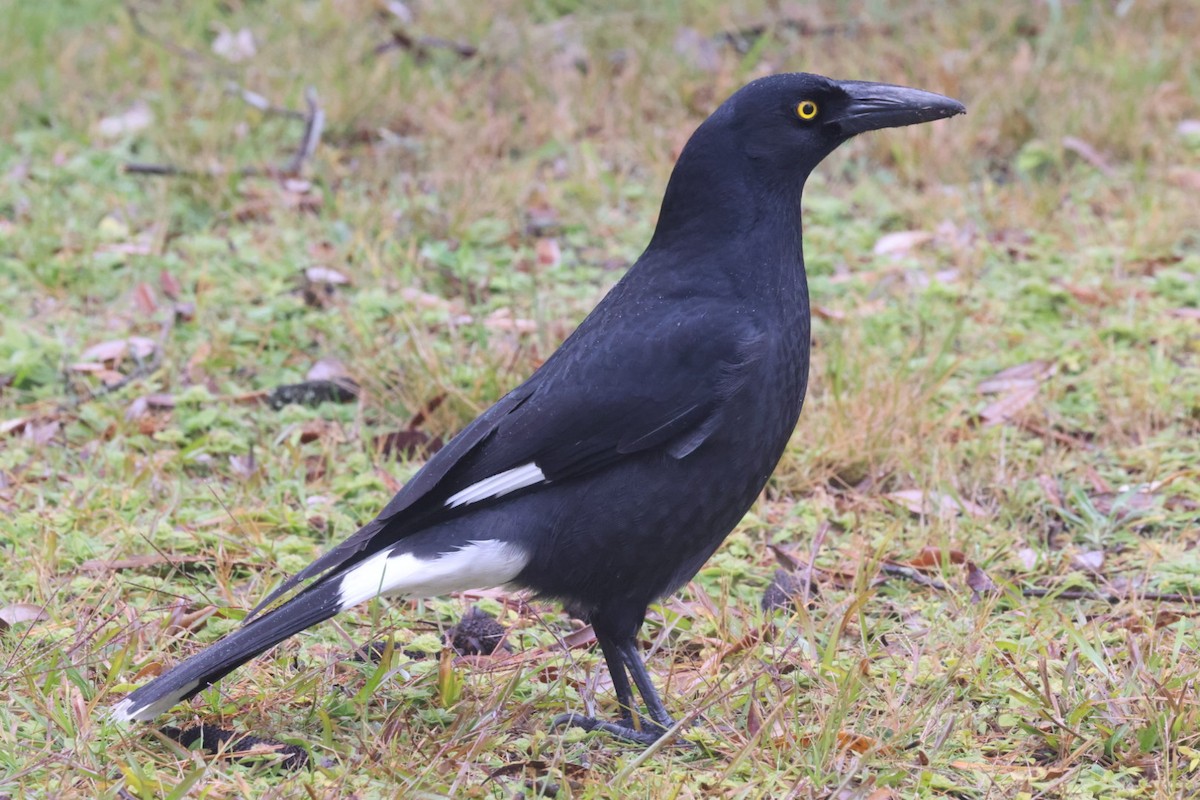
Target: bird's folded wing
(581, 412)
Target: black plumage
(610, 476)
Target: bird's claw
(647, 734)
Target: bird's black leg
(632, 659)
(619, 656)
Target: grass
(436, 186)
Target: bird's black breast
(622, 537)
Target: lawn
(987, 519)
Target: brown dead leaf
(14, 425)
(151, 670)
(116, 350)
(245, 466)
(549, 254)
(182, 620)
(234, 46)
(1050, 489)
(407, 444)
(1088, 153)
(824, 312)
(979, 582)
(899, 243)
(136, 118)
(169, 285)
(1185, 178)
(326, 369)
(1028, 557)
(16, 613)
(848, 740)
(41, 433)
(932, 558)
(1126, 503)
(1019, 376)
(1008, 404)
(1088, 561)
(1089, 295)
(941, 505)
(502, 319)
(143, 298)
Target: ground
(989, 508)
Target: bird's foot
(645, 733)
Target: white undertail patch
(498, 485)
(477, 565)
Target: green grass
(422, 194)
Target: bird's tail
(315, 604)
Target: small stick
(314, 123)
(1108, 597)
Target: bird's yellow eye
(806, 109)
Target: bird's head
(750, 159)
(792, 121)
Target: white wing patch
(478, 565)
(498, 485)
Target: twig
(1048, 433)
(256, 100)
(183, 52)
(911, 574)
(420, 46)
(1108, 597)
(314, 123)
(806, 581)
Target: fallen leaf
(326, 369)
(243, 466)
(116, 349)
(235, 47)
(16, 613)
(502, 319)
(407, 444)
(548, 252)
(898, 244)
(143, 298)
(846, 740)
(1125, 503)
(1028, 557)
(979, 582)
(941, 505)
(137, 118)
(169, 285)
(1019, 376)
(1185, 178)
(14, 425)
(1050, 488)
(931, 558)
(325, 275)
(1186, 313)
(41, 433)
(824, 312)
(1008, 405)
(1089, 560)
(1088, 153)
(151, 670)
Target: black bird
(612, 474)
